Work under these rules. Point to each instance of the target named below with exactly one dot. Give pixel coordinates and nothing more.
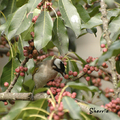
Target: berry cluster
(104, 47)
(109, 92)
(70, 73)
(56, 88)
(113, 106)
(21, 70)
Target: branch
(106, 35)
(21, 96)
(16, 77)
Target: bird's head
(58, 65)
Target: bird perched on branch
(46, 71)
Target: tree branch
(21, 96)
(16, 77)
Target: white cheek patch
(57, 63)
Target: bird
(46, 71)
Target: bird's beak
(63, 73)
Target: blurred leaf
(3, 4)
(8, 72)
(42, 103)
(43, 30)
(113, 50)
(83, 13)
(94, 11)
(70, 15)
(60, 37)
(40, 90)
(102, 40)
(30, 65)
(92, 31)
(11, 7)
(83, 61)
(104, 99)
(72, 106)
(96, 20)
(118, 66)
(19, 22)
(82, 86)
(74, 66)
(105, 115)
(19, 3)
(32, 4)
(15, 111)
(20, 48)
(116, 31)
(26, 34)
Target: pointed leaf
(60, 37)
(82, 86)
(43, 30)
(113, 50)
(72, 107)
(15, 111)
(8, 72)
(116, 31)
(19, 22)
(70, 16)
(32, 4)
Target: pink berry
(22, 74)
(105, 49)
(85, 69)
(17, 70)
(102, 45)
(51, 108)
(25, 69)
(62, 85)
(56, 117)
(60, 114)
(70, 72)
(48, 92)
(87, 78)
(75, 74)
(6, 84)
(66, 76)
(5, 103)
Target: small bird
(46, 71)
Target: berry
(22, 74)
(87, 78)
(70, 72)
(105, 49)
(66, 76)
(6, 84)
(17, 70)
(102, 45)
(62, 85)
(75, 74)
(85, 69)
(25, 69)
(5, 103)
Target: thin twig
(16, 77)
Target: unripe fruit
(6, 84)
(62, 85)
(87, 78)
(102, 45)
(85, 69)
(25, 69)
(5, 103)
(66, 76)
(22, 74)
(70, 72)
(17, 70)
(56, 117)
(75, 74)
(105, 49)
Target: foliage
(31, 28)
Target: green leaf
(8, 72)
(116, 31)
(83, 61)
(72, 107)
(19, 3)
(82, 86)
(74, 66)
(32, 4)
(43, 30)
(70, 16)
(104, 99)
(15, 111)
(83, 13)
(3, 4)
(118, 66)
(19, 22)
(96, 20)
(42, 103)
(60, 37)
(113, 50)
